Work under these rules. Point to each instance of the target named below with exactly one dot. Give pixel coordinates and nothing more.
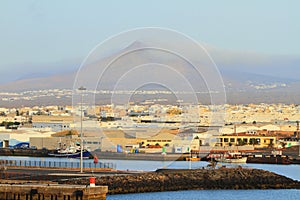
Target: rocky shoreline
(199, 179)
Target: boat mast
(236, 138)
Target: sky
(47, 37)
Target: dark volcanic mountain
(245, 75)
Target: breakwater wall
(45, 192)
(24, 152)
(200, 179)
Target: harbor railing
(56, 164)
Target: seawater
(291, 171)
(213, 195)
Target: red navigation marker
(95, 159)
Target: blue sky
(55, 36)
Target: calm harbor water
(213, 195)
(292, 171)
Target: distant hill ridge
(240, 76)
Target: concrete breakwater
(53, 191)
(200, 179)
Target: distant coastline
(62, 96)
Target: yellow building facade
(255, 140)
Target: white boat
(232, 157)
(232, 160)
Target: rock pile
(200, 179)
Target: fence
(55, 164)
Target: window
(251, 141)
(258, 140)
(232, 140)
(225, 139)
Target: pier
(25, 183)
(52, 191)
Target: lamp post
(298, 137)
(81, 138)
(101, 139)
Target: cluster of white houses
(146, 138)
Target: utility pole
(81, 89)
(297, 132)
